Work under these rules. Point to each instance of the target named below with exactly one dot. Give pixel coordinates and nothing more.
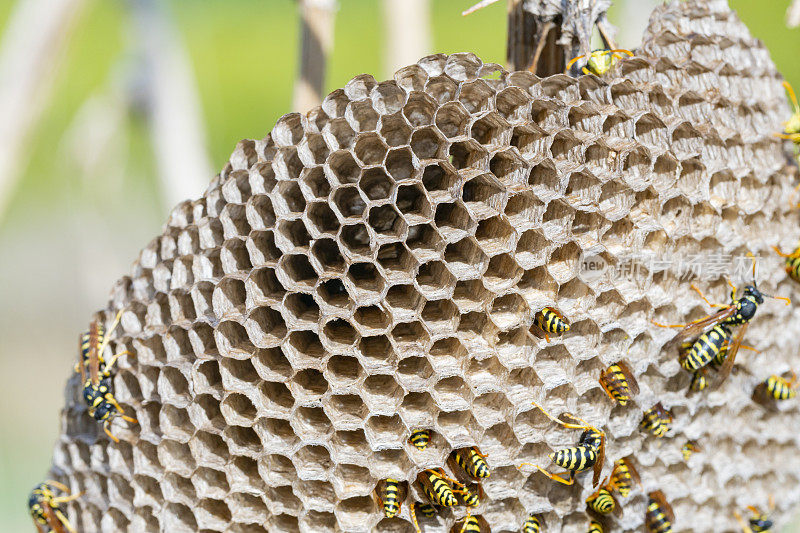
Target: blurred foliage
(244, 56)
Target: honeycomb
(374, 267)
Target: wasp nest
(374, 267)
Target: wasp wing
(633, 385)
(81, 360)
(632, 468)
(94, 354)
(730, 358)
(598, 463)
(658, 496)
(696, 328)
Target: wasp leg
(108, 431)
(556, 420)
(58, 485)
(556, 477)
(114, 359)
(412, 510)
(107, 336)
(585, 70)
(65, 499)
(742, 523)
(659, 324)
(64, 520)
(792, 255)
(703, 296)
(620, 51)
(794, 137)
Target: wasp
(595, 527)
(603, 501)
(45, 507)
(420, 438)
(532, 525)
(659, 515)
(758, 521)
(472, 461)
(715, 330)
(791, 128)
(690, 447)
(775, 389)
(389, 496)
(425, 509)
(589, 453)
(791, 263)
(657, 420)
(437, 487)
(550, 321)
(624, 476)
(471, 525)
(97, 388)
(619, 383)
(599, 61)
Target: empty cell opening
(362, 116)
(344, 167)
(356, 238)
(476, 96)
(262, 180)
(565, 147)
(386, 427)
(234, 220)
(465, 256)
(454, 216)
(238, 370)
(382, 386)
(334, 293)
(376, 184)
(326, 252)
(343, 369)
(238, 406)
(287, 165)
(306, 343)
(529, 141)
(173, 384)
(387, 98)
(524, 209)
(441, 88)
(339, 331)
(423, 237)
(339, 134)
(266, 285)
(277, 432)
(465, 154)
(316, 182)
(385, 220)
(404, 297)
(312, 421)
(372, 317)
(351, 442)
(509, 310)
(469, 294)
(495, 234)
(208, 376)
(394, 130)
(417, 368)
(347, 409)
(278, 398)
(376, 349)
(489, 130)
(229, 296)
(349, 202)
(303, 307)
(396, 257)
(434, 276)
(177, 513)
(399, 164)
(370, 149)
(581, 119)
(295, 232)
(410, 333)
(427, 144)
(288, 130)
(299, 270)
(618, 125)
(317, 149)
(651, 130)
(545, 177)
(511, 103)
(365, 277)
(267, 325)
(323, 217)
(418, 404)
(502, 270)
(292, 196)
(483, 190)
(262, 248)
(452, 120)
(440, 313)
(411, 201)
(419, 109)
(439, 178)
(176, 454)
(599, 157)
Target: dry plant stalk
(374, 266)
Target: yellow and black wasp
(618, 382)
(775, 389)
(45, 507)
(437, 487)
(791, 263)
(758, 521)
(624, 475)
(659, 515)
(470, 524)
(599, 61)
(472, 461)
(98, 388)
(602, 501)
(551, 322)
(791, 128)
(689, 448)
(657, 420)
(713, 332)
(532, 525)
(589, 453)
(595, 527)
(390, 494)
(420, 438)
(425, 509)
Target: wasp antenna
(572, 62)
(621, 51)
(790, 91)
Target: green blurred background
(87, 196)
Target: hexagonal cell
(382, 394)
(342, 168)
(512, 104)
(411, 78)
(296, 271)
(465, 259)
(424, 241)
(400, 163)
(395, 130)
(313, 150)
(413, 204)
(441, 88)
(476, 96)
(428, 143)
(322, 219)
(387, 98)
(501, 272)
(376, 184)
(262, 249)
(434, 280)
(365, 281)
(338, 134)
(301, 311)
(325, 253)
(453, 220)
(491, 130)
(385, 431)
(334, 293)
(311, 423)
(419, 109)
(287, 164)
(361, 116)
(315, 183)
(293, 232)
(452, 120)
(468, 153)
(349, 202)
(304, 348)
(264, 286)
(370, 149)
(463, 67)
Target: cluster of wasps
(96, 373)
